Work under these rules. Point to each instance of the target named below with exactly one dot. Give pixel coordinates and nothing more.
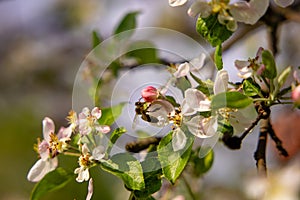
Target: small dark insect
(141, 109)
(137, 146)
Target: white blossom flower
(196, 101)
(88, 121)
(251, 66)
(195, 66)
(85, 161)
(48, 149)
(228, 14)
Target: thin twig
(277, 141)
(260, 153)
(188, 187)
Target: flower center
(84, 160)
(55, 146)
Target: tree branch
(260, 153)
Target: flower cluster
(54, 144)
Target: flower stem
(188, 187)
(71, 154)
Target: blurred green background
(42, 44)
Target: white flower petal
(48, 128)
(249, 13)
(202, 127)
(98, 152)
(96, 112)
(198, 62)
(186, 110)
(200, 7)
(41, 168)
(221, 82)
(175, 3)
(208, 144)
(84, 127)
(284, 3)
(86, 111)
(90, 190)
(179, 139)
(64, 133)
(197, 100)
(242, 65)
(102, 128)
(183, 70)
(43, 149)
(84, 149)
(83, 174)
(243, 118)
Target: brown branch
(277, 141)
(260, 153)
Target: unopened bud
(150, 94)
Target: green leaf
(225, 127)
(172, 100)
(201, 165)
(211, 29)
(251, 88)
(173, 163)
(283, 76)
(54, 180)
(143, 51)
(96, 39)
(109, 115)
(230, 100)
(269, 62)
(126, 167)
(127, 23)
(152, 176)
(183, 84)
(218, 57)
(204, 86)
(115, 67)
(116, 134)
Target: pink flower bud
(296, 95)
(150, 94)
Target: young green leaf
(251, 88)
(172, 100)
(126, 167)
(116, 134)
(173, 163)
(206, 87)
(283, 76)
(230, 100)
(109, 115)
(270, 66)
(201, 165)
(183, 84)
(211, 29)
(218, 57)
(127, 23)
(143, 51)
(96, 39)
(152, 176)
(52, 181)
